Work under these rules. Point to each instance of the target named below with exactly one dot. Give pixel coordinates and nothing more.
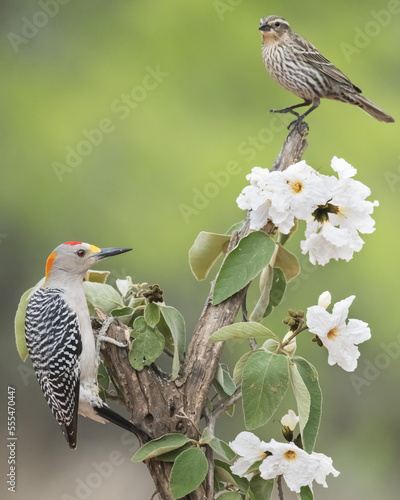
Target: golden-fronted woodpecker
(61, 343)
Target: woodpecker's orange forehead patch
(95, 249)
(73, 243)
(49, 263)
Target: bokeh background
(199, 99)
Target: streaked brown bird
(298, 67)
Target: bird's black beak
(265, 27)
(109, 252)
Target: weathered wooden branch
(156, 403)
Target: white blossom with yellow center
(337, 335)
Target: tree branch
(157, 403)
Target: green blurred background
(199, 93)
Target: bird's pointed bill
(109, 252)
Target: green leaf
(288, 262)
(240, 331)
(206, 250)
(102, 296)
(19, 321)
(265, 382)
(176, 324)
(305, 493)
(97, 276)
(152, 314)
(302, 396)
(124, 286)
(170, 456)
(236, 227)
(225, 381)
(230, 495)
(147, 346)
(217, 445)
(277, 290)
(266, 282)
(224, 474)
(188, 472)
(124, 314)
(270, 345)
(238, 370)
(261, 489)
(243, 264)
(19, 325)
(309, 376)
(159, 446)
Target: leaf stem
(287, 341)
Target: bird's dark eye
(80, 253)
(277, 24)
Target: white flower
(297, 467)
(324, 242)
(253, 198)
(324, 300)
(334, 232)
(349, 196)
(295, 192)
(290, 420)
(250, 450)
(338, 337)
(283, 196)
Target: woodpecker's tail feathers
(107, 413)
(69, 432)
(372, 109)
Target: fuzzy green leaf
(243, 264)
(217, 445)
(242, 331)
(288, 262)
(238, 370)
(206, 250)
(261, 489)
(309, 376)
(230, 495)
(176, 324)
(277, 290)
(97, 276)
(124, 314)
(224, 474)
(147, 346)
(19, 321)
(265, 382)
(152, 314)
(159, 446)
(305, 493)
(103, 296)
(188, 472)
(223, 378)
(19, 325)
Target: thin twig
(225, 403)
(287, 341)
(210, 473)
(154, 495)
(280, 491)
(253, 344)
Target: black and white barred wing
(54, 344)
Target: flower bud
(324, 300)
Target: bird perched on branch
(61, 343)
(298, 67)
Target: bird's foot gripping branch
(175, 410)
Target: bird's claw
(102, 337)
(284, 110)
